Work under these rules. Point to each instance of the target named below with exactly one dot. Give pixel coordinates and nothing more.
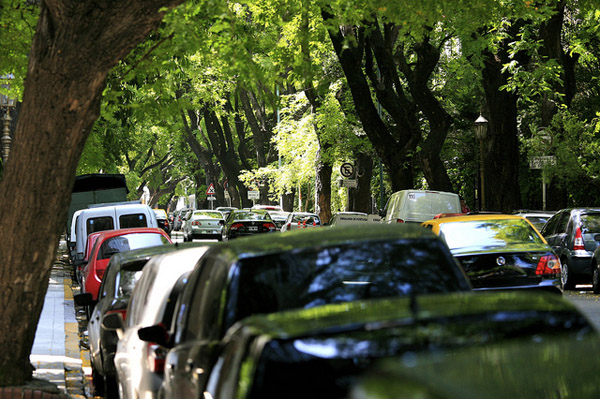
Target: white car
(139, 363)
(301, 220)
(202, 224)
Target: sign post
(540, 163)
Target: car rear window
(99, 224)
(214, 215)
(128, 242)
(486, 233)
(133, 220)
(251, 216)
(322, 275)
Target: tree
(75, 46)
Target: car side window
(563, 223)
(99, 224)
(205, 306)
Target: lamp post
(480, 134)
(6, 103)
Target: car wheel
(596, 279)
(97, 382)
(566, 277)
(111, 388)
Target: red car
(110, 242)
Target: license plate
(252, 228)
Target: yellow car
(499, 251)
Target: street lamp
(6, 103)
(480, 134)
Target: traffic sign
(253, 194)
(211, 190)
(540, 162)
(347, 169)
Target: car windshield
(205, 214)
(488, 233)
(125, 282)
(316, 276)
(128, 242)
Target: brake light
(399, 221)
(100, 273)
(236, 226)
(578, 243)
(196, 223)
(548, 264)
(156, 358)
(269, 226)
(123, 312)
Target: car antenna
(414, 306)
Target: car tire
(97, 382)
(111, 388)
(596, 279)
(566, 277)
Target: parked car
(111, 242)
(110, 217)
(301, 269)
(571, 233)
(203, 224)
(247, 222)
(499, 251)
(162, 219)
(323, 352)
(555, 367)
(122, 272)
(301, 220)
(275, 208)
(89, 245)
(140, 364)
(417, 206)
(226, 210)
(346, 218)
(178, 218)
(537, 218)
(279, 218)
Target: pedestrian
(464, 208)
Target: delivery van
(417, 206)
(110, 217)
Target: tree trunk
(75, 46)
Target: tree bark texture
(75, 46)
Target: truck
(95, 188)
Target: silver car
(203, 224)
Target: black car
(500, 251)
(573, 233)
(122, 272)
(321, 352)
(246, 222)
(555, 367)
(301, 269)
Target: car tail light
(269, 226)
(100, 273)
(548, 264)
(399, 220)
(578, 243)
(236, 226)
(156, 358)
(123, 312)
(196, 223)
(299, 224)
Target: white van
(419, 205)
(110, 217)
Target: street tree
(75, 46)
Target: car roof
(132, 230)
(148, 252)
(473, 217)
(377, 313)
(264, 244)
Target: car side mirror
(222, 222)
(85, 299)
(156, 333)
(78, 262)
(113, 322)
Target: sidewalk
(56, 353)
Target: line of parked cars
(318, 312)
